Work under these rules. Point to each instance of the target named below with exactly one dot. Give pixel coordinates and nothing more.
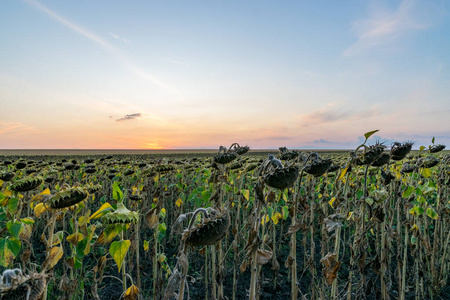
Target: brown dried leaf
(152, 218)
(183, 263)
(263, 256)
(243, 266)
(271, 197)
(25, 257)
(331, 267)
(294, 228)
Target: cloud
(385, 27)
(16, 128)
(126, 41)
(109, 47)
(174, 61)
(322, 141)
(328, 116)
(129, 117)
(114, 35)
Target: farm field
(230, 224)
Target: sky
(110, 74)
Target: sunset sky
(200, 74)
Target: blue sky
(194, 74)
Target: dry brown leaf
(263, 256)
(331, 267)
(152, 218)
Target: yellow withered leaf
(343, 172)
(75, 238)
(45, 194)
(104, 209)
(55, 255)
(179, 202)
(131, 293)
(246, 194)
(40, 209)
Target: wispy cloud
(126, 41)
(129, 117)
(385, 27)
(328, 116)
(107, 46)
(16, 128)
(174, 61)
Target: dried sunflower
(209, 231)
(428, 162)
(382, 160)
(437, 148)
(319, 167)
(399, 150)
(30, 287)
(26, 184)
(6, 176)
(68, 197)
(121, 215)
(282, 178)
(285, 154)
(225, 158)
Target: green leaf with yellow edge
(432, 213)
(162, 213)
(14, 228)
(285, 211)
(421, 148)
(246, 194)
(285, 197)
(426, 172)
(27, 221)
(75, 238)
(416, 210)
(58, 237)
(13, 203)
(9, 248)
(146, 245)
(83, 220)
(103, 210)
(118, 250)
(276, 217)
(406, 193)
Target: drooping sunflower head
(26, 184)
(67, 197)
(282, 178)
(211, 230)
(121, 215)
(400, 150)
